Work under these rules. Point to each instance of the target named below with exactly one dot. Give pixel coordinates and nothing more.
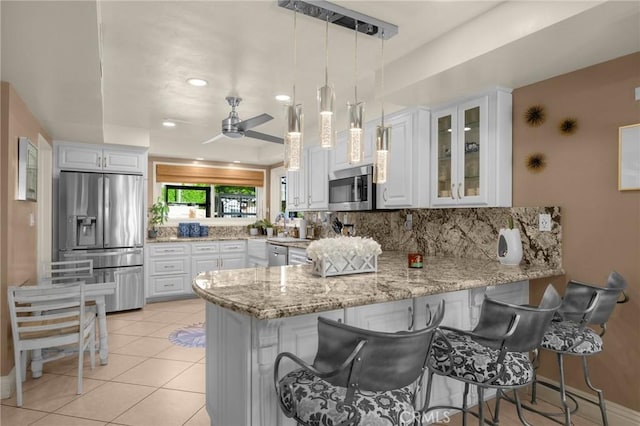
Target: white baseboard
(616, 413)
(8, 384)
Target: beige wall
(601, 225)
(18, 240)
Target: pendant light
(355, 142)
(326, 100)
(383, 134)
(294, 115)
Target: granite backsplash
(468, 232)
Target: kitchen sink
(286, 239)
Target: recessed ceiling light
(198, 82)
(283, 98)
(199, 158)
(168, 123)
(236, 161)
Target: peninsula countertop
(284, 291)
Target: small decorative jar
(414, 260)
(204, 231)
(194, 229)
(184, 229)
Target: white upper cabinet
(101, 158)
(471, 152)
(308, 188)
(407, 172)
(338, 156)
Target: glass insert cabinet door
(471, 148)
(445, 135)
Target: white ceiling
(52, 52)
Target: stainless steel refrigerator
(101, 217)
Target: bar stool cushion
(474, 362)
(317, 402)
(561, 336)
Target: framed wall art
(629, 158)
(27, 170)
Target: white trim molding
(616, 414)
(8, 384)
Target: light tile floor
(148, 381)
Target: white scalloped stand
(341, 265)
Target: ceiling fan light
(355, 141)
(326, 102)
(293, 140)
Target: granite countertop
(284, 291)
(293, 243)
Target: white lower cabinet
(167, 270)
(257, 253)
(387, 317)
(171, 267)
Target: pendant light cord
(356, 64)
(326, 53)
(295, 51)
(382, 76)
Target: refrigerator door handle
(107, 205)
(105, 254)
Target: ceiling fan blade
(252, 122)
(213, 139)
(263, 136)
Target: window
(195, 201)
(210, 192)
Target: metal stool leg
(481, 405)
(563, 392)
(465, 408)
(496, 415)
(601, 403)
(519, 408)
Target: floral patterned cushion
(475, 362)
(318, 403)
(562, 335)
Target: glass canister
(414, 260)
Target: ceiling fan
(234, 127)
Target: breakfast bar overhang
(253, 314)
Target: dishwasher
(277, 255)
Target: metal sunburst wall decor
(534, 116)
(536, 162)
(568, 126)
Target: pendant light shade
(293, 137)
(380, 167)
(294, 116)
(355, 141)
(383, 136)
(355, 111)
(326, 101)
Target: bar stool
(493, 355)
(569, 334)
(358, 376)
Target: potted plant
(268, 227)
(158, 215)
(253, 228)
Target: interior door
(123, 210)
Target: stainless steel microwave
(352, 189)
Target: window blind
(211, 175)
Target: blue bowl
(183, 229)
(194, 229)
